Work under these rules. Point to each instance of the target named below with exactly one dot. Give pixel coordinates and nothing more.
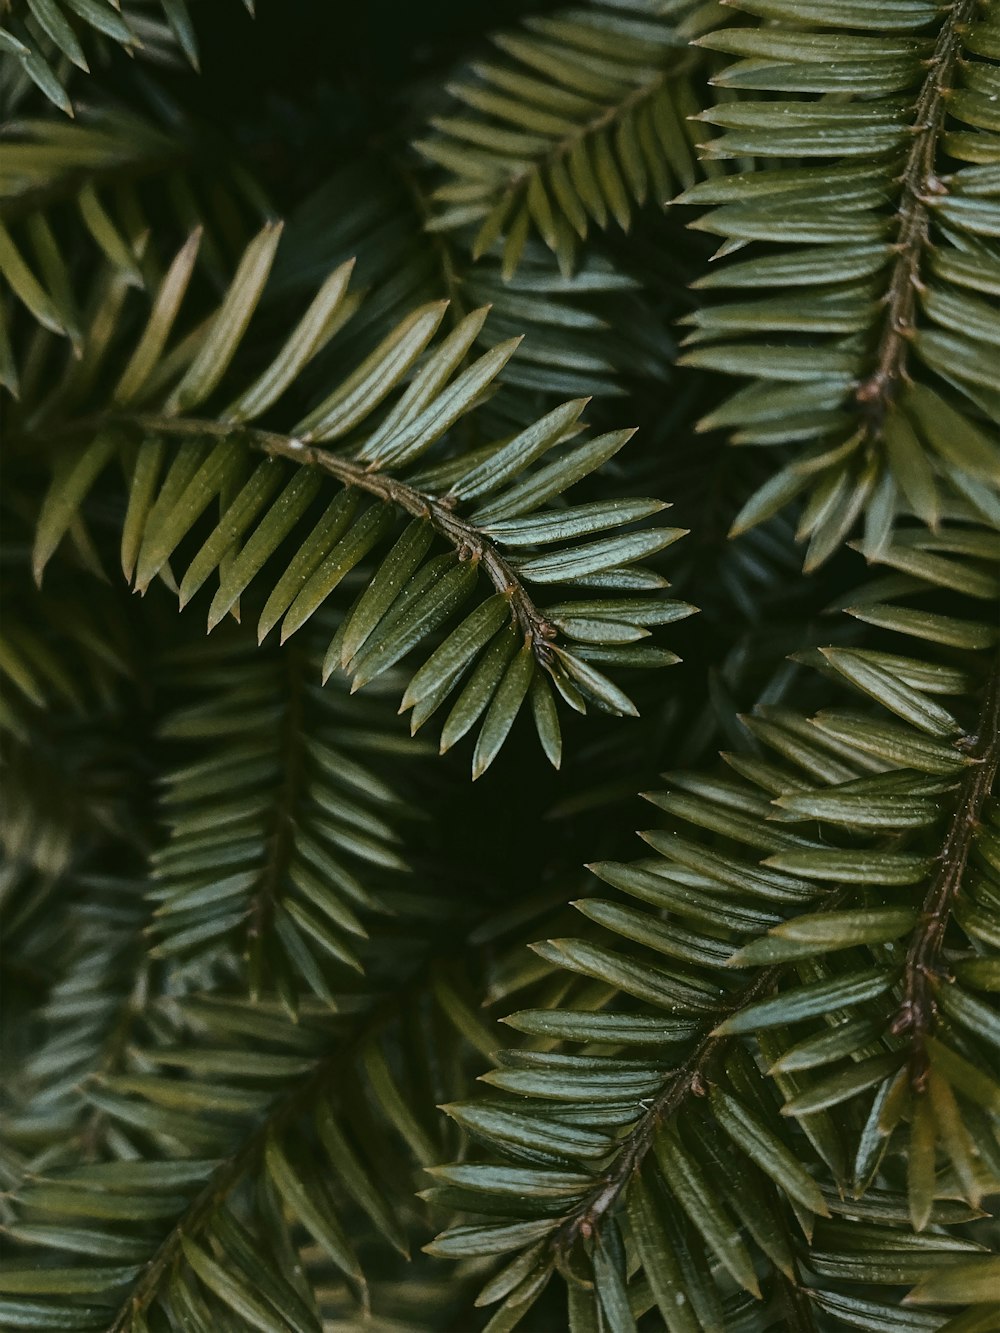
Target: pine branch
(924, 970)
(329, 1087)
(223, 1181)
(757, 1084)
(284, 830)
(919, 183)
(690, 1080)
(815, 926)
(487, 505)
(582, 119)
(467, 540)
(874, 358)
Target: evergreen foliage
(892, 265)
(346, 344)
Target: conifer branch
(535, 148)
(688, 1081)
(215, 1192)
(468, 541)
(878, 390)
(247, 1156)
(922, 970)
(612, 114)
(882, 292)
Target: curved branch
(922, 969)
(469, 542)
(919, 181)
